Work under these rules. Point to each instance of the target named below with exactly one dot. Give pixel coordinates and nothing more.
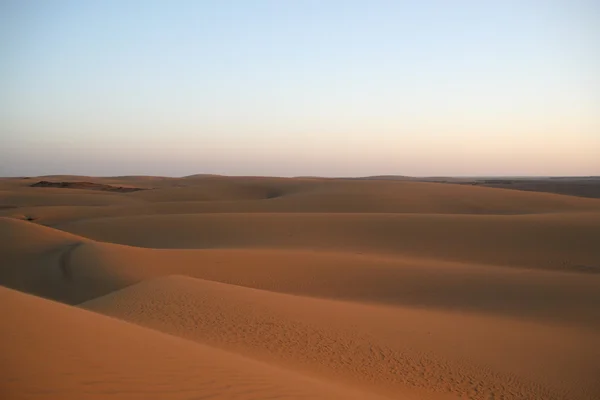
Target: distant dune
(584, 186)
(309, 288)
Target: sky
(297, 88)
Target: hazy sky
(324, 87)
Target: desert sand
(296, 288)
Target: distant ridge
(86, 186)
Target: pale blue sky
(324, 87)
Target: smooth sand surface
(257, 288)
(55, 351)
(380, 347)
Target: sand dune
(268, 195)
(308, 195)
(69, 268)
(385, 349)
(574, 186)
(325, 288)
(81, 355)
(557, 241)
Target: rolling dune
(73, 269)
(250, 287)
(275, 195)
(556, 241)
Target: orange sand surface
(296, 288)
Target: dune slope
(82, 355)
(40, 260)
(390, 350)
(73, 269)
(556, 241)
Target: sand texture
(296, 288)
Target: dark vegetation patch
(87, 186)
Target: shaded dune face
(559, 241)
(72, 269)
(255, 288)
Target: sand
(253, 288)
(61, 352)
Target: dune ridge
(86, 186)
